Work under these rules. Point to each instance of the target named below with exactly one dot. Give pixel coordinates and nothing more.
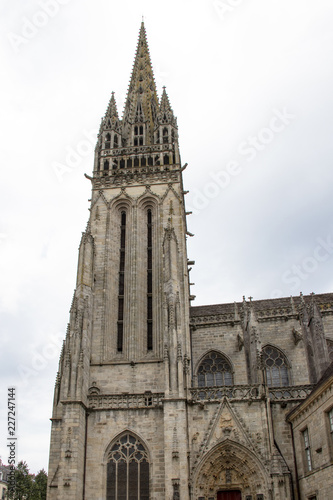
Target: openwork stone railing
(250, 392)
(125, 401)
(238, 392)
(289, 393)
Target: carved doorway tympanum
(229, 495)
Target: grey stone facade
(312, 428)
(154, 398)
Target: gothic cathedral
(155, 399)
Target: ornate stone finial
(260, 360)
(175, 453)
(179, 351)
(68, 358)
(186, 364)
(166, 352)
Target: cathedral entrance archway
(229, 495)
(230, 471)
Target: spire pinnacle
(111, 117)
(141, 104)
(165, 112)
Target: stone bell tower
(119, 428)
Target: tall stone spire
(141, 104)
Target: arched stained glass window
(128, 470)
(276, 366)
(214, 370)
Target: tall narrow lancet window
(121, 288)
(165, 136)
(276, 367)
(149, 282)
(107, 141)
(128, 470)
(138, 135)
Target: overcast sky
(251, 84)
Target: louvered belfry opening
(149, 282)
(121, 287)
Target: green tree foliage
(39, 486)
(29, 486)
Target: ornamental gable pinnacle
(111, 119)
(165, 114)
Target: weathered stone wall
(104, 427)
(313, 416)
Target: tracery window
(128, 470)
(214, 370)
(276, 366)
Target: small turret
(166, 131)
(110, 129)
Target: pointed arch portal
(230, 471)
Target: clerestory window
(276, 366)
(214, 370)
